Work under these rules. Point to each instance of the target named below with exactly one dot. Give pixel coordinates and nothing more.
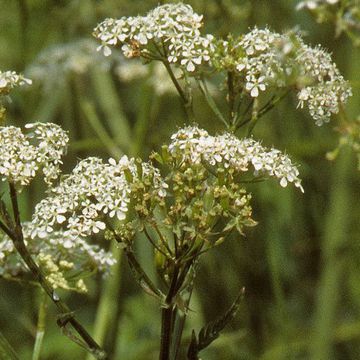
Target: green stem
(266, 108)
(16, 235)
(231, 95)
(40, 329)
(186, 101)
(205, 91)
(147, 235)
(110, 105)
(168, 315)
(141, 126)
(162, 238)
(23, 22)
(179, 321)
(254, 117)
(142, 277)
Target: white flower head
(172, 27)
(22, 155)
(10, 80)
(226, 151)
(93, 192)
(284, 60)
(59, 256)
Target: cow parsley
(262, 60)
(93, 193)
(171, 31)
(227, 152)
(41, 146)
(65, 262)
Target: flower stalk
(16, 235)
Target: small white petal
(60, 219)
(190, 66)
(254, 92)
(283, 182)
(106, 51)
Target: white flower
(272, 58)
(195, 145)
(22, 155)
(10, 79)
(173, 27)
(254, 85)
(92, 192)
(59, 256)
(327, 90)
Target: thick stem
(166, 325)
(40, 329)
(17, 237)
(167, 316)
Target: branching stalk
(186, 101)
(16, 235)
(153, 243)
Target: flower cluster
(22, 155)
(260, 59)
(266, 59)
(327, 88)
(171, 31)
(95, 191)
(204, 207)
(228, 152)
(263, 58)
(65, 262)
(10, 80)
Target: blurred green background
(300, 265)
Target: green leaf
(211, 331)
